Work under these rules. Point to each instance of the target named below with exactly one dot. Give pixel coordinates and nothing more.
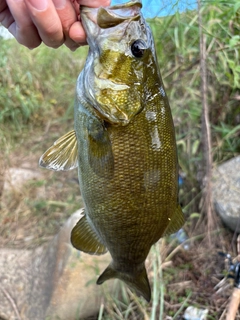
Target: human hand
(53, 22)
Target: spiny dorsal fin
(177, 220)
(138, 282)
(84, 238)
(62, 155)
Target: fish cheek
(114, 66)
(120, 107)
(119, 86)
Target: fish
(123, 145)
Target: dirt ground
(35, 202)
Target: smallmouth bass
(123, 145)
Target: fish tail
(137, 281)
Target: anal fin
(84, 238)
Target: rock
(75, 294)
(16, 177)
(226, 193)
(14, 282)
(193, 313)
(54, 281)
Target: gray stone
(54, 281)
(193, 313)
(226, 193)
(16, 177)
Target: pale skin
(53, 22)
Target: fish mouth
(108, 17)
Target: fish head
(121, 55)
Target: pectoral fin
(62, 155)
(177, 220)
(100, 153)
(84, 238)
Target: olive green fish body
(131, 210)
(126, 149)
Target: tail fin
(138, 281)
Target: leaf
(234, 41)
(195, 215)
(236, 7)
(195, 147)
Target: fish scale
(125, 146)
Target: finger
(6, 18)
(19, 23)
(47, 21)
(77, 33)
(94, 3)
(3, 5)
(76, 6)
(68, 16)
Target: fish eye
(138, 48)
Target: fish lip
(107, 17)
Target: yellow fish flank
(123, 144)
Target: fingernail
(39, 5)
(59, 4)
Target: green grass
(36, 85)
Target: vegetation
(36, 99)
(181, 73)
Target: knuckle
(6, 18)
(3, 5)
(52, 30)
(28, 37)
(53, 43)
(31, 44)
(72, 47)
(52, 36)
